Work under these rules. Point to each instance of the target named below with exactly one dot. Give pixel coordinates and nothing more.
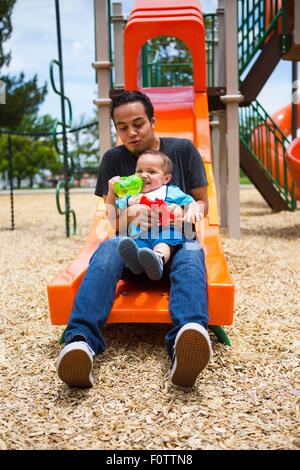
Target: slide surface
(181, 112)
(272, 153)
(283, 118)
(293, 162)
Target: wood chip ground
(248, 398)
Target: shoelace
(161, 258)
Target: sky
(33, 45)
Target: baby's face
(150, 169)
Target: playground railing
(211, 40)
(257, 19)
(175, 74)
(267, 144)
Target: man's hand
(144, 216)
(195, 213)
(177, 211)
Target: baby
(149, 249)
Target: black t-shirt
(188, 168)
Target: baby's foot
(152, 262)
(129, 253)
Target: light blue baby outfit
(169, 234)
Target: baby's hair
(167, 163)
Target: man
(188, 343)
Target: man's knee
(107, 251)
(190, 253)
(191, 250)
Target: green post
(68, 170)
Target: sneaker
(192, 353)
(129, 253)
(152, 262)
(74, 365)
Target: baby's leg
(165, 250)
(153, 260)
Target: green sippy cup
(128, 185)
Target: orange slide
(293, 162)
(267, 149)
(283, 119)
(181, 112)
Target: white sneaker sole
(192, 354)
(75, 366)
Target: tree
(31, 155)
(84, 148)
(22, 96)
(6, 7)
(39, 124)
(169, 62)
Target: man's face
(150, 169)
(134, 128)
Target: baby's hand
(134, 199)
(194, 213)
(111, 183)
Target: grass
(244, 180)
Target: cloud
(77, 49)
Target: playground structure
(293, 161)
(238, 66)
(283, 119)
(269, 143)
(181, 112)
(184, 112)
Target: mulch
(248, 397)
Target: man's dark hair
(132, 97)
(166, 162)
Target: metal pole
(222, 163)
(232, 99)
(11, 183)
(63, 114)
(118, 22)
(215, 146)
(294, 99)
(103, 66)
(110, 42)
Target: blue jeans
(93, 302)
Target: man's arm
(200, 195)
